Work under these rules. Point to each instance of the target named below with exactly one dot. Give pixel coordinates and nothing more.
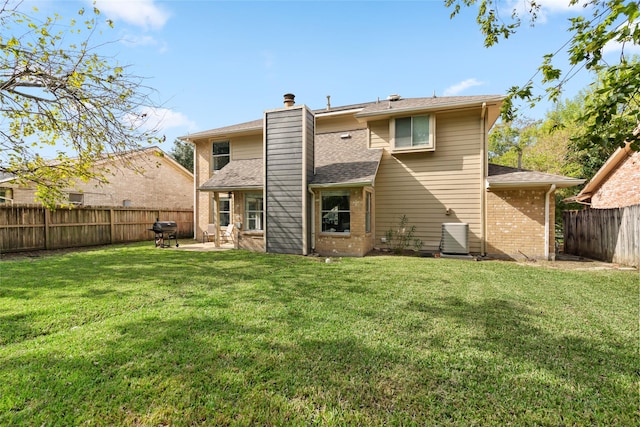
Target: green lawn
(133, 335)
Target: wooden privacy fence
(32, 227)
(611, 235)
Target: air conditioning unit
(455, 238)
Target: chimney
(289, 100)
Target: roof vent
(345, 135)
(393, 97)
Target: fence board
(32, 227)
(611, 235)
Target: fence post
(112, 228)
(47, 236)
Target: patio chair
(209, 234)
(228, 233)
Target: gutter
(342, 185)
(547, 203)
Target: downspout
(195, 190)
(483, 189)
(547, 225)
(313, 219)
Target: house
(139, 178)
(334, 181)
(616, 184)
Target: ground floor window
(253, 211)
(335, 212)
(224, 211)
(76, 198)
(367, 212)
(6, 194)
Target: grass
(133, 335)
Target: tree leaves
(56, 90)
(614, 112)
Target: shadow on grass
(271, 340)
(592, 366)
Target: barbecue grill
(165, 231)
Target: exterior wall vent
(455, 238)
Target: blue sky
(216, 63)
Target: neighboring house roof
(116, 157)
(505, 177)
(339, 160)
(5, 177)
(603, 173)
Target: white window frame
(367, 211)
(218, 156)
(253, 222)
(79, 199)
(217, 211)
(430, 146)
(324, 212)
(6, 195)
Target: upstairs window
(415, 133)
(336, 213)
(220, 155)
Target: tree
(56, 90)
(182, 152)
(613, 112)
(507, 142)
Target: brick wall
(357, 242)
(516, 224)
(161, 185)
(622, 187)
(203, 198)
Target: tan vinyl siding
(423, 185)
(379, 134)
(246, 147)
(338, 123)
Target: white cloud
(160, 119)
(461, 87)
(142, 13)
(547, 7)
(133, 40)
(629, 48)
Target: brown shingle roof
(236, 175)
(412, 104)
(505, 176)
(338, 161)
(367, 108)
(345, 160)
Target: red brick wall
(622, 187)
